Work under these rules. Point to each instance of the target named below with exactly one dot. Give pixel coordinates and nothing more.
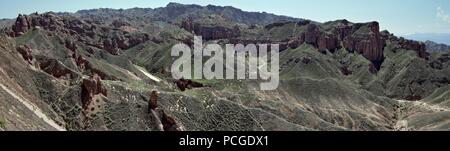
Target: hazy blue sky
(398, 16)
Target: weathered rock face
(25, 51)
(294, 43)
(210, 33)
(112, 40)
(183, 84)
(91, 87)
(153, 101)
(420, 48)
(363, 38)
(169, 124)
(120, 42)
(312, 34)
(315, 37)
(81, 62)
(401, 43)
(327, 43)
(24, 23)
(322, 43)
(343, 29)
(369, 43)
(120, 23)
(21, 26)
(55, 68)
(110, 45)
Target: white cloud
(441, 14)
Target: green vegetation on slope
(306, 61)
(2, 123)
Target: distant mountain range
(435, 47)
(434, 42)
(438, 38)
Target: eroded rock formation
(169, 123)
(91, 87)
(25, 51)
(153, 101)
(367, 41)
(402, 43)
(210, 32)
(184, 84)
(112, 40)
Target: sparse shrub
(2, 123)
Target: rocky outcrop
(169, 123)
(345, 71)
(402, 43)
(362, 38)
(119, 23)
(110, 45)
(184, 84)
(164, 121)
(21, 26)
(413, 98)
(419, 47)
(210, 32)
(294, 43)
(90, 88)
(367, 41)
(25, 51)
(81, 62)
(312, 34)
(317, 38)
(122, 42)
(25, 23)
(153, 101)
(110, 39)
(55, 68)
(327, 43)
(77, 59)
(343, 29)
